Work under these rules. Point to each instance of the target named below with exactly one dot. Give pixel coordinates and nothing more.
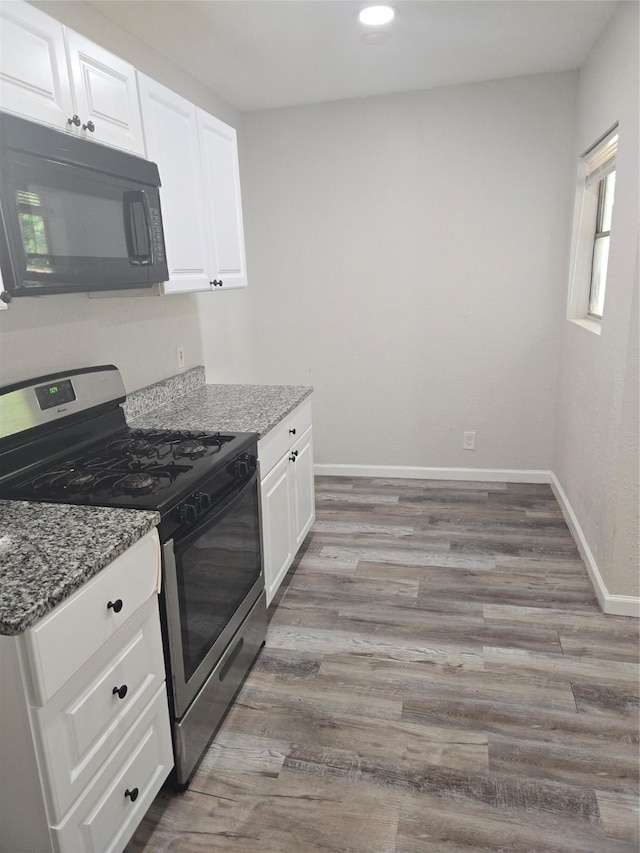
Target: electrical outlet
(180, 357)
(469, 441)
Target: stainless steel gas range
(64, 438)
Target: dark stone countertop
(47, 551)
(239, 408)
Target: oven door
(212, 578)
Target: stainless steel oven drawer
(193, 732)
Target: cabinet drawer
(104, 820)
(282, 437)
(83, 725)
(63, 640)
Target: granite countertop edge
(226, 407)
(40, 566)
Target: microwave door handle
(136, 224)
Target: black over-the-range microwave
(75, 215)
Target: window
(33, 226)
(592, 230)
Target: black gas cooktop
(139, 468)
(65, 439)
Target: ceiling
(259, 54)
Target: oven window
(214, 574)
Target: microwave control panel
(155, 228)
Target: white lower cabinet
(85, 741)
(277, 525)
(105, 819)
(304, 504)
(286, 491)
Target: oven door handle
(212, 518)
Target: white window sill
(587, 323)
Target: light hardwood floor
(437, 677)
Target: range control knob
(187, 513)
(241, 467)
(202, 502)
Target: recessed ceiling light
(375, 16)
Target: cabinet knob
(292, 458)
(116, 605)
(74, 120)
(90, 126)
(120, 691)
(132, 794)
(292, 431)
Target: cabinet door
(223, 204)
(93, 613)
(104, 819)
(106, 95)
(34, 80)
(304, 505)
(171, 135)
(87, 719)
(277, 525)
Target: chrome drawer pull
(121, 691)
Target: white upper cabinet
(197, 156)
(106, 96)
(171, 135)
(221, 175)
(34, 79)
(53, 75)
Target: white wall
(138, 334)
(596, 459)
(407, 256)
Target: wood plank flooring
(437, 677)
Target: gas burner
(192, 448)
(81, 481)
(138, 447)
(66, 479)
(136, 484)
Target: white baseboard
(409, 472)
(616, 605)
